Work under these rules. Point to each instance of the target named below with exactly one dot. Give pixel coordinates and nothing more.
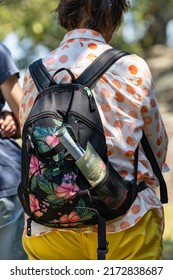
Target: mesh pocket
(114, 195)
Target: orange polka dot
(139, 97)
(95, 33)
(30, 102)
(82, 30)
(136, 209)
(69, 33)
(133, 114)
(63, 59)
(153, 103)
(124, 225)
(64, 77)
(116, 84)
(91, 57)
(123, 173)
(106, 107)
(70, 41)
(147, 120)
(75, 75)
(118, 124)
(50, 61)
(159, 140)
(129, 153)
(107, 133)
(159, 153)
(146, 92)
(130, 141)
(119, 97)
(139, 174)
(92, 46)
(104, 80)
(54, 51)
(133, 69)
(109, 153)
(105, 92)
(139, 81)
(31, 87)
(144, 109)
(65, 47)
(145, 164)
(23, 107)
(130, 89)
(149, 181)
(110, 227)
(25, 80)
(137, 220)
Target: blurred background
(29, 29)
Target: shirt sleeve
(153, 125)
(8, 67)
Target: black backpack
(53, 190)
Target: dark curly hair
(99, 15)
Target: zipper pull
(29, 221)
(91, 99)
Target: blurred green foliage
(34, 19)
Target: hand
(8, 124)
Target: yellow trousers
(140, 242)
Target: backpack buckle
(101, 252)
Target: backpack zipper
(50, 114)
(38, 116)
(91, 99)
(85, 121)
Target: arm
(12, 93)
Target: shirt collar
(88, 34)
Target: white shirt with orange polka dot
(126, 100)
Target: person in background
(11, 212)
(125, 96)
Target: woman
(126, 100)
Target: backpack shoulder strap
(42, 78)
(156, 169)
(102, 63)
(40, 75)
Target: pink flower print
(34, 205)
(38, 213)
(66, 190)
(34, 165)
(52, 140)
(73, 217)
